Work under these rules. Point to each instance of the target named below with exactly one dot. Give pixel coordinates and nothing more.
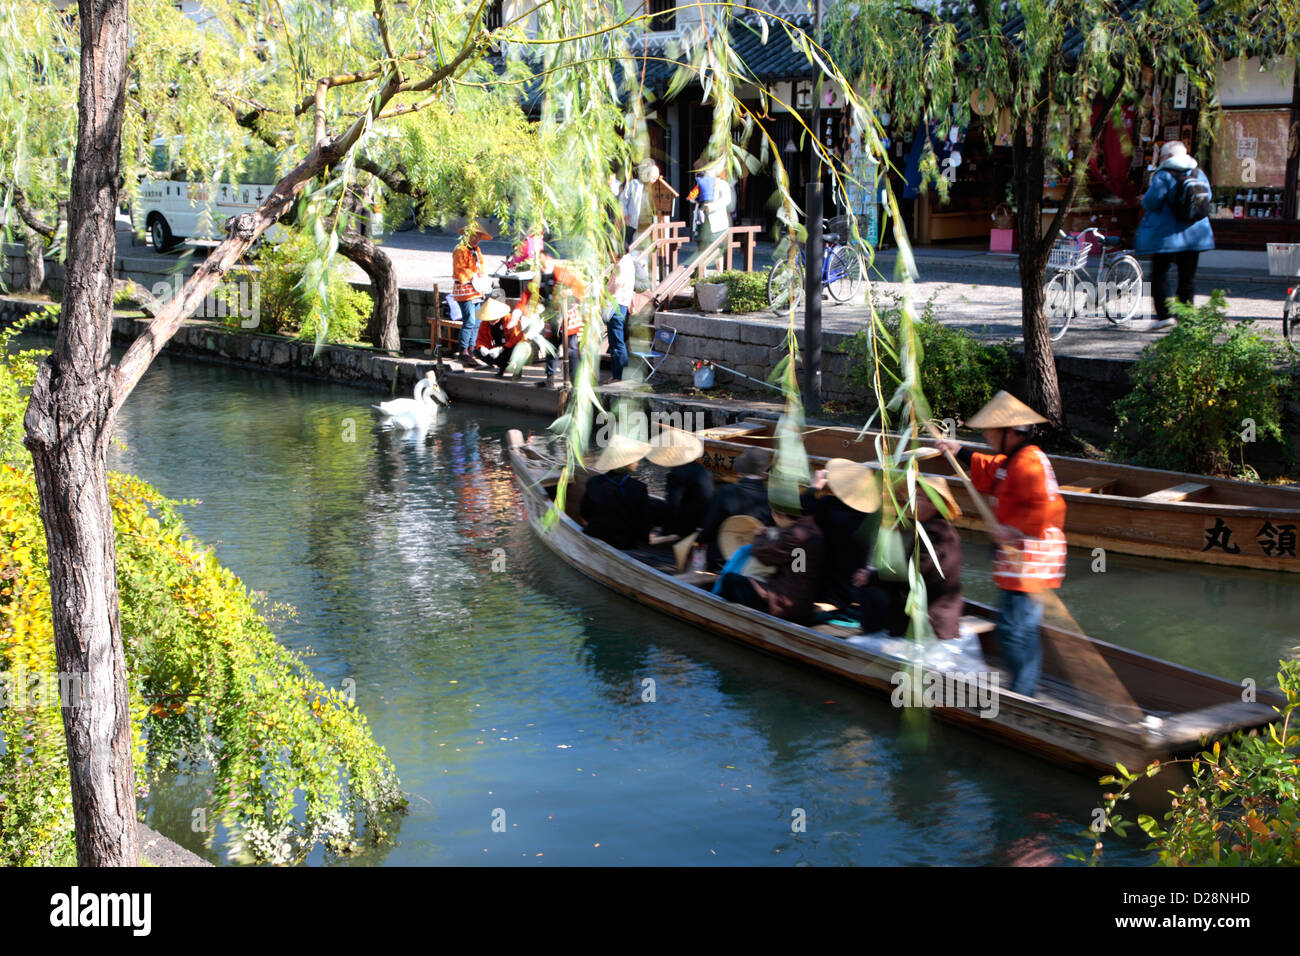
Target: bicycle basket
(1068, 254)
(1284, 258)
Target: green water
(506, 686)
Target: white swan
(416, 413)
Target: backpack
(1191, 200)
(707, 184)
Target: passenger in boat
(748, 496)
(795, 551)
(883, 603)
(615, 505)
(844, 499)
(689, 485)
(1030, 532)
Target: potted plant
(712, 296)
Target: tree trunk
(69, 422)
(34, 252)
(382, 330)
(1042, 386)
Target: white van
(170, 208)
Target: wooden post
(812, 334)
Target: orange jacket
(466, 263)
(1023, 493)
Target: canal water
(507, 687)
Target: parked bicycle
(1284, 260)
(1071, 291)
(843, 270)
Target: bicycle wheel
(1121, 290)
(844, 272)
(1061, 302)
(1291, 318)
(783, 285)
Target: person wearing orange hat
(1030, 533)
(467, 275)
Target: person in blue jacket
(1171, 240)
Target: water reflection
(500, 679)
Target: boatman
(1029, 532)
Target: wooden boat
(1175, 706)
(1122, 508)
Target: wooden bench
(1091, 486)
(1177, 492)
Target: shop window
(493, 17)
(1249, 163)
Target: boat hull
(1070, 736)
(1237, 524)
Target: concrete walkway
(972, 289)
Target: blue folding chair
(660, 346)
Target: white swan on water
(413, 414)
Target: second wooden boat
(1122, 508)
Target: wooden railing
(661, 244)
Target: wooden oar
(1081, 662)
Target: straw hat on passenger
(1005, 411)
(736, 532)
(619, 453)
(673, 447)
(682, 549)
(493, 310)
(941, 487)
(854, 483)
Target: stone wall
(749, 347)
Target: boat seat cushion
(1177, 492)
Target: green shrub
(290, 308)
(746, 291)
(959, 373)
(1193, 391)
(1242, 806)
(292, 763)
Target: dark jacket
(748, 496)
(849, 535)
(689, 494)
(616, 508)
(797, 553)
(888, 599)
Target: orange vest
(1023, 494)
(572, 315)
(466, 263)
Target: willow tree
(328, 103)
(1059, 70)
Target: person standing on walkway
(622, 284)
(468, 289)
(1175, 227)
(1030, 533)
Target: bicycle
(843, 270)
(1118, 289)
(1284, 260)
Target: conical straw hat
(1005, 411)
(736, 532)
(941, 487)
(853, 483)
(673, 447)
(620, 452)
(493, 310)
